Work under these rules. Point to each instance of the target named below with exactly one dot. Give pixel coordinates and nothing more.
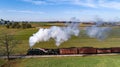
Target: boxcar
(87, 50)
(115, 49)
(64, 51)
(103, 50)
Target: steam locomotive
(73, 50)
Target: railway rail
(44, 56)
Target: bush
(17, 25)
(8, 26)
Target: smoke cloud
(62, 34)
(97, 31)
(59, 34)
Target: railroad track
(37, 56)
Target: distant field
(88, 61)
(46, 24)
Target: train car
(52, 51)
(115, 49)
(73, 51)
(87, 50)
(103, 50)
(65, 51)
(38, 51)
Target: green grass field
(90, 61)
(2, 61)
(87, 61)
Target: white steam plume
(59, 34)
(41, 35)
(97, 31)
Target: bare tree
(7, 43)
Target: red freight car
(115, 49)
(64, 51)
(103, 50)
(87, 50)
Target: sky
(59, 10)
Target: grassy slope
(88, 61)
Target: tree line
(18, 25)
(12, 24)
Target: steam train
(73, 50)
